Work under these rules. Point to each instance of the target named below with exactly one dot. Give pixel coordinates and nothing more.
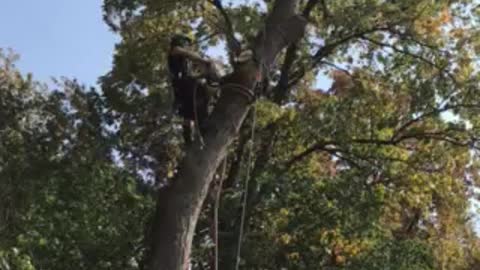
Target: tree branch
(405, 52)
(327, 49)
(234, 46)
(282, 28)
(281, 90)
(394, 141)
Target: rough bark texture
(179, 204)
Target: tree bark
(179, 204)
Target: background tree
(376, 172)
(64, 201)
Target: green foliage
(12, 259)
(398, 255)
(376, 173)
(64, 201)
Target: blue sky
(58, 38)
(62, 38)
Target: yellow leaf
(285, 239)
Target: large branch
(282, 89)
(282, 28)
(179, 204)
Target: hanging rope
(249, 94)
(263, 68)
(245, 192)
(215, 211)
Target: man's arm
(190, 55)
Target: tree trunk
(179, 204)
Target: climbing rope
(215, 211)
(250, 157)
(245, 192)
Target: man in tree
(190, 75)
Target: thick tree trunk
(179, 204)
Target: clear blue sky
(57, 38)
(62, 38)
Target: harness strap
(245, 91)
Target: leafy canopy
(376, 173)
